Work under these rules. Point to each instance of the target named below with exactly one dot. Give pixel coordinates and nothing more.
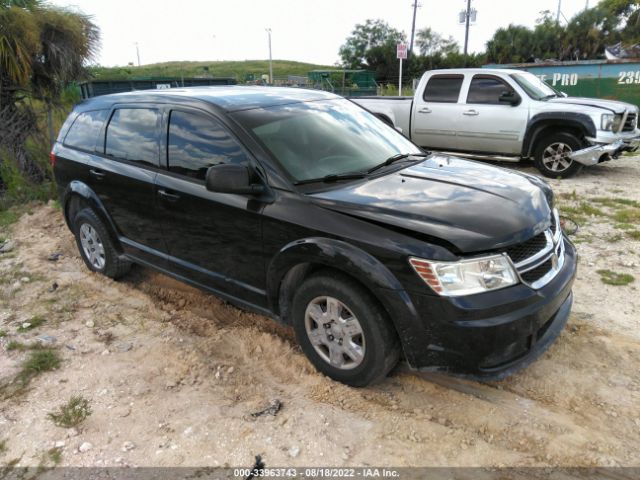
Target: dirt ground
(173, 374)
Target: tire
(96, 247)
(330, 337)
(550, 155)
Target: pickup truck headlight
(610, 122)
(466, 277)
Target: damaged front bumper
(598, 153)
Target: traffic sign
(401, 51)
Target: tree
(42, 49)
(431, 43)
(370, 45)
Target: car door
(435, 112)
(214, 239)
(122, 174)
(487, 124)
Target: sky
(302, 30)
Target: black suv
(304, 207)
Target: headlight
(466, 277)
(611, 122)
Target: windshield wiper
(334, 177)
(395, 158)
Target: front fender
(539, 122)
(357, 263)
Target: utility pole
(415, 6)
(270, 61)
(138, 53)
(466, 29)
(559, 11)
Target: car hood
(609, 105)
(470, 205)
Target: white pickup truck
(510, 115)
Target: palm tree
(42, 49)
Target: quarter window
(443, 88)
(132, 135)
(84, 131)
(197, 142)
(487, 90)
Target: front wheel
(551, 155)
(343, 330)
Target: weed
(624, 226)
(3, 333)
(3, 446)
(614, 278)
(34, 322)
(72, 413)
(616, 202)
(614, 238)
(635, 234)
(569, 196)
(55, 455)
(39, 361)
(629, 215)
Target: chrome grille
(539, 259)
(630, 123)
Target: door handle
(471, 112)
(171, 197)
(424, 110)
(99, 174)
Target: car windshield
(535, 88)
(315, 140)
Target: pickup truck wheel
(95, 245)
(551, 155)
(343, 331)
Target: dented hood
(473, 206)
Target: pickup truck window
(132, 135)
(197, 142)
(443, 88)
(535, 88)
(487, 90)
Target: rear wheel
(552, 155)
(96, 247)
(343, 330)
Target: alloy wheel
(556, 157)
(334, 332)
(92, 246)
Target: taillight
(52, 159)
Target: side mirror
(229, 178)
(511, 98)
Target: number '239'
(625, 78)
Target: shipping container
(608, 79)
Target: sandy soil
(173, 374)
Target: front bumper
(607, 145)
(489, 336)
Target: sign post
(401, 54)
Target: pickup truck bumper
(597, 153)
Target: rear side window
(443, 88)
(197, 142)
(487, 90)
(84, 130)
(132, 135)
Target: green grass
(236, 69)
(3, 333)
(72, 413)
(7, 217)
(614, 238)
(614, 278)
(624, 226)
(39, 361)
(33, 323)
